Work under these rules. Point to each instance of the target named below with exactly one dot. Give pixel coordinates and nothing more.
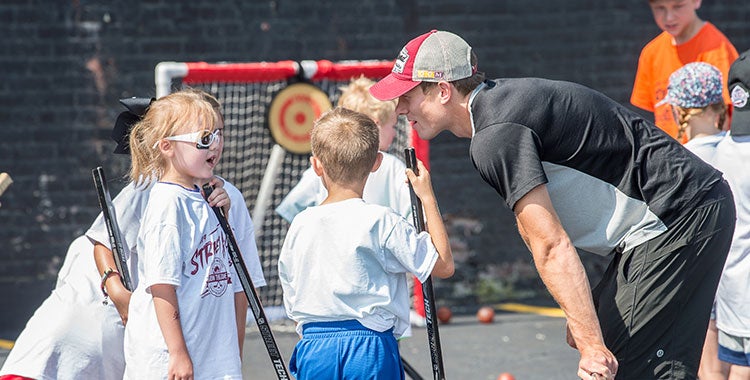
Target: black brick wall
(64, 64)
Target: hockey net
(251, 159)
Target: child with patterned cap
(694, 92)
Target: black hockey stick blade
(110, 220)
(433, 335)
(252, 296)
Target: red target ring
(292, 113)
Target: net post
(164, 73)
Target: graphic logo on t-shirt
(217, 280)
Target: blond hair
(346, 143)
(356, 97)
(685, 114)
(170, 115)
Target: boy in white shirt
(343, 262)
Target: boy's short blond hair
(167, 116)
(346, 143)
(356, 97)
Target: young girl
(694, 92)
(182, 321)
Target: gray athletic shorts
(734, 349)
(654, 300)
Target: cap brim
(391, 87)
(740, 125)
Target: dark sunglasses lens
(206, 138)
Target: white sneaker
(416, 320)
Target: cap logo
(400, 64)
(427, 74)
(739, 97)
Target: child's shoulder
(656, 45)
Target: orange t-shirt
(660, 58)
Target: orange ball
(486, 314)
(506, 376)
(444, 314)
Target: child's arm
(444, 266)
(168, 315)
(240, 306)
(117, 292)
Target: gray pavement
(528, 346)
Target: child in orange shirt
(685, 38)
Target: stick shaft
(110, 220)
(252, 297)
(433, 335)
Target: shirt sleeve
(508, 157)
(643, 94)
(129, 205)
(413, 251)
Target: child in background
(685, 38)
(695, 95)
(343, 263)
(733, 295)
(182, 320)
(385, 186)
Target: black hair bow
(137, 107)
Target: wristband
(107, 273)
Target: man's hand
(597, 363)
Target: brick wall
(63, 65)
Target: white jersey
(347, 260)
(181, 243)
(705, 146)
(61, 340)
(386, 187)
(72, 335)
(733, 295)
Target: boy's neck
(689, 32)
(338, 192)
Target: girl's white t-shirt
(181, 243)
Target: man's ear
(316, 165)
(378, 161)
(445, 91)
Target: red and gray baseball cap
(432, 57)
(739, 90)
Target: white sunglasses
(202, 139)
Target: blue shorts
(734, 349)
(345, 350)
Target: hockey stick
(252, 296)
(110, 220)
(433, 336)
